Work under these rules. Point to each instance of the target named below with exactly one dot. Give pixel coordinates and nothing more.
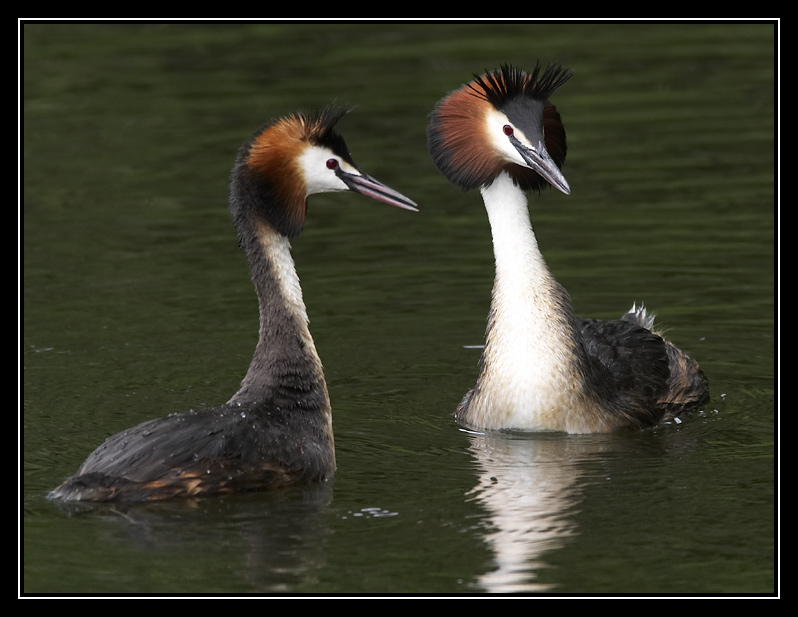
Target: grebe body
(276, 430)
(543, 368)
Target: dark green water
(137, 303)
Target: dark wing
(224, 449)
(627, 368)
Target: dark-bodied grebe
(542, 368)
(277, 429)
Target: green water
(136, 302)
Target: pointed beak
(540, 161)
(368, 186)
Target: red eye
(508, 130)
(332, 164)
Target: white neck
(285, 356)
(529, 365)
(277, 249)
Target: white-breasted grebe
(277, 429)
(542, 368)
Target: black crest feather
(454, 134)
(509, 82)
(265, 182)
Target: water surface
(137, 302)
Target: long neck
(530, 362)
(285, 368)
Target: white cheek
(318, 177)
(495, 123)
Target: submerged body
(277, 429)
(543, 368)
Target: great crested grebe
(277, 429)
(542, 368)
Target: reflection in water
(273, 541)
(528, 485)
(136, 211)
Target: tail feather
(687, 387)
(639, 316)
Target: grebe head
(294, 157)
(501, 121)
